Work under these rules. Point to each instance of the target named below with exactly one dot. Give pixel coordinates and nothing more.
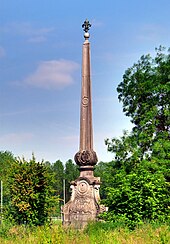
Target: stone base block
(84, 203)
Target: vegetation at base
(104, 233)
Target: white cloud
(53, 74)
(27, 29)
(2, 52)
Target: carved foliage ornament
(85, 158)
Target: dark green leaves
(29, 188)
(145, 94)
(139, 184)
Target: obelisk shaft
(86, 130)
(86, 157)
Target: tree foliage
(30, 192)
(145, 93)
(33, 191)
(139, 195)
(71, 173)
(58, 170)
(140, 173)
(6, 161)
(103, 170)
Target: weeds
(94, 233)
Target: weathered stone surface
(86, 157)
(84, 203)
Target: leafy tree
(136, 195)
(30, 192)
(102, 170)
(58, 170)
(140, 173)
(6, 161)
(71, 173)
(145, 93)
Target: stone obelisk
(84, 203)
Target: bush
(29, 191)
(138, 196)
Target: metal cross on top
(86, 26)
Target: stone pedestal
(84, 203)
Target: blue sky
(40, 69)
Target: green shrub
(138, 196)
(30, 192)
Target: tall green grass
(94, 233)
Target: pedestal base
(84, 203)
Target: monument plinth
(83, 205)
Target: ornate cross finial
(86, 26)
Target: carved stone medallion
(85, 101)
(82, 187)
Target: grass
(95, 233)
